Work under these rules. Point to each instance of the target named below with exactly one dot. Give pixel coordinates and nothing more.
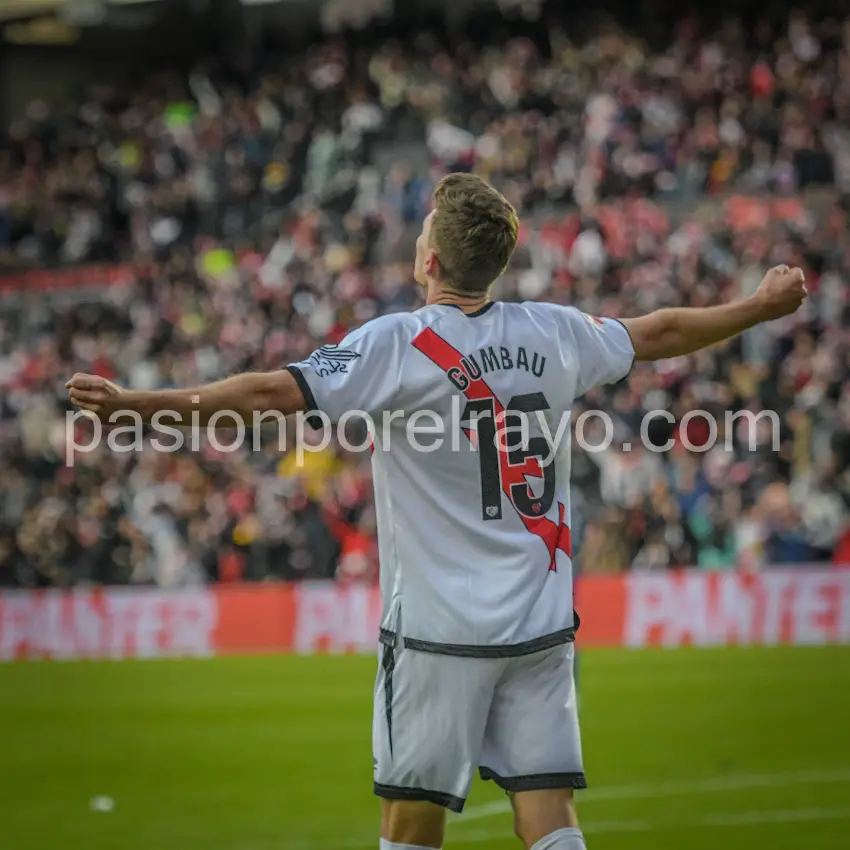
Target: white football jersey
(473, 507)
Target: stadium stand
(183, 226)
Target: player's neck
(467, 303)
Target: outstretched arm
(677, 331)
(359, 374)
(241, 395)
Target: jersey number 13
(507, 454)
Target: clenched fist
(781, 292)
(95, 394)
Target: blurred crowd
(140, 168)
(256, 219)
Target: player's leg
(411, 824)
(532, 748)
(429, 718)
(547, 819)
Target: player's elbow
(277, 393)
(655, 336)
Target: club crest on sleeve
(330, 359)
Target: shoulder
(563, 315)
(545, 314)
(388, 326)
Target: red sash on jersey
(554, 535)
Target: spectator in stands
(260, 221)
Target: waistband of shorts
(389, 637)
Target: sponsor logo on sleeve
(594, 320)
(331, 359)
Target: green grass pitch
(739, 749)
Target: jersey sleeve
(361, 373)
(602, 347)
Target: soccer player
(476, 642)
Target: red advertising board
(704, 609)
(797, 606)
(65, 279)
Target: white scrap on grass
(101, 804)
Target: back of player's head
(474, 232)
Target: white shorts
(438, 717)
